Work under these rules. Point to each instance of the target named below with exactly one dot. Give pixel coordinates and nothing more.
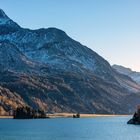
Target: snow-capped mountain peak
(2, 14)
(6, 24)
(4, 19)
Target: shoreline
(66, 115)
(6, 117)
(70, 115)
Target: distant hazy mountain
(127, 71)
(49, 70)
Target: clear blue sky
(109, 27)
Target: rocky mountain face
(9, 101)
(50, 71)
(127, 71)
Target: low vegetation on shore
(28, 113)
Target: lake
(97, 128)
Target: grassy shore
(6, 117)
(83, 115)
(70, 115)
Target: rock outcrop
(136, 117)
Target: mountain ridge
(53, 72)
(129, 72)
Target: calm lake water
(98, 128)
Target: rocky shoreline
(136, 117)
